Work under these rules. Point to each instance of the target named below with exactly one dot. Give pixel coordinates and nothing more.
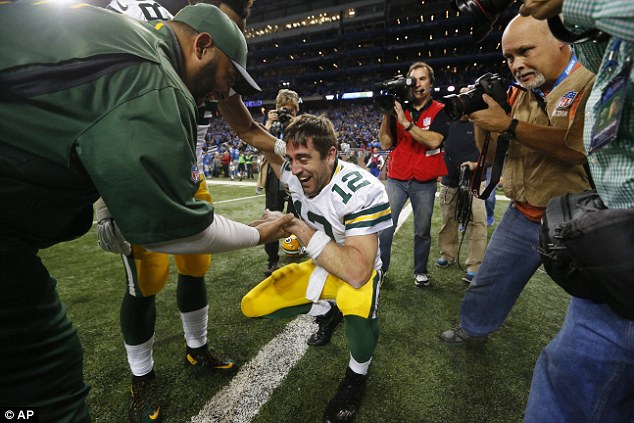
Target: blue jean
(422, 196)
(586, 373)
(508, 264)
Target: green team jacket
(91, 103)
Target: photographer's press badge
(611, 106)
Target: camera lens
(384, 103)
(454, 107)
(484, 13)
(457, 105)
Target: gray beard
(537, 82)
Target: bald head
(536, 58)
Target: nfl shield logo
(567, 99)
(195, 173)
(426, 122)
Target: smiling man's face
(313, 171)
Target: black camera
(284, 115)
(387, 92)
(471, 101)
(484, 13)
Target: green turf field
(413, 378)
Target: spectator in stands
(248, 161)
(375, 163)
(414, 133)
(460, 148)
(544, 160)
(225, 161)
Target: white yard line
(254, 383)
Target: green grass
(413, 378)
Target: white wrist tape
(280, 148)
(317, 244)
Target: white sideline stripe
(237, 199)
(254, 383)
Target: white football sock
(359, 368)
(140, 357)
(195, 327)
(319, 308)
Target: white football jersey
(142, 10)
(353, 203)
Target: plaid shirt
(612, 166)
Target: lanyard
(569, 67)
(613, 56)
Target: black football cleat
(144, 407)
(343, 407)
(327, 325)
(204, 359)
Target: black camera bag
(588, 250)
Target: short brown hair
(417, 65)
(285, 96)
(319, 128)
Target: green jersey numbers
(353, 203)
(144, 10)
(354, 180)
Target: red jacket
(412, 160)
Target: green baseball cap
(227, 37)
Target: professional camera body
(484, 13)
(391, 90)
(284, 115)
(471, 101)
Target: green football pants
(40, 353)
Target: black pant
(40, 353)
(275, 199)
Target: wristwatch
(409, 127)
(509, 133)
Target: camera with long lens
(484, 13)
(471, 101)
(386, 92)
(284, 115)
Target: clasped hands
(273, 225)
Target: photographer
(544, 160)
(414, 132)
(593, 336)
(286, 108)
(460, 148)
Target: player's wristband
(280, 147)
(317, 244)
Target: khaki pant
(476, 231)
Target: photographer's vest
(412, 160)
(532, 176)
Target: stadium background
(414, 377)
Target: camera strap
(496, 171)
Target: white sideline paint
(254, 383)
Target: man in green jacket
(114, 105)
